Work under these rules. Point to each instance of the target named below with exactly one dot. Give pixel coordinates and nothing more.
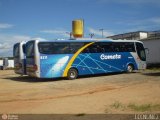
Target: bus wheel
(130, 68)
(72, 74)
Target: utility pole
(102, 31)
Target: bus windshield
(141, 51)
(16, 51)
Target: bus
(72, 58)
(19, 58)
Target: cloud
(99, 33)
(38, 38)
(155, 20)
(5, 26)
(148, 24)
(4, 46)
(59, 32)
(7, 42)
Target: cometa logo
(106, 57)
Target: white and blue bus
(70, 58)
(19, 58)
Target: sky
(22, 20)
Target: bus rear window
(30, 49)
(24, 48)
(16, 50)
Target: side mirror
(147, 50)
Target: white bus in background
(19, 58)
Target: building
(10, 64)
(130, 36)
(151, 41)
(153, 44)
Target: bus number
(43, 57)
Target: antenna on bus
(91, 35)
(70, 34)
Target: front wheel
(72, 74)
(130, 68)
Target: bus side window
(130, 47)
(95, 48)
(123, 47)
(74, 47)
(103, 50)
(63, 49)
(107, 47)
(86, 50)
(99, 49)
(117, 47)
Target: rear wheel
(130, 68)
(72, 74)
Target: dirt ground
(110, 93)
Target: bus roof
(22, 42)
(86, 40)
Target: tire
(130, 68)
(72, 74)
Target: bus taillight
(35, 68)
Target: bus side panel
(96, 63)
(52, 66)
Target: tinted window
(46, 48)
(59, 48)
(127, 47)
(74, 47)
(16, 50)
(107, 47)
(141, 51)
(110, 47)
(30, 49)
(94, 48)
(24, 48)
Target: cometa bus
(72, 58)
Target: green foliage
(135, 107)
(140, 108)
(117, 105)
